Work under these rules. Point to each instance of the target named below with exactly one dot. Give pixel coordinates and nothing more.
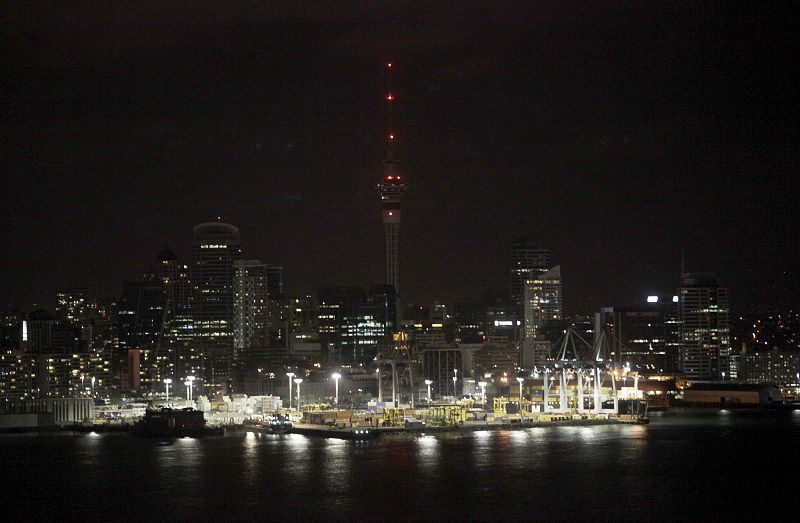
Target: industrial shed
(731, 394)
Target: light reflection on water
(428, 455)
(336, 465)
(529, 471)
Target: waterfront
(688, 465)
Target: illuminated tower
(391, 189)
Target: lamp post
(83, 387)
(167, 382)
(520, 380)
(189, 384)
(290, 375)
(336, 377)
(380, 389)
(93, 386)
(455, 377)
(482, 385)
(428, 383)
(298, 381)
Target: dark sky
(616, 134)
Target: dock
(365, 433)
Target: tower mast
(391, 190)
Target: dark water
(683, 466)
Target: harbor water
(685, 465)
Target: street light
(520, 380)
(298, 381)
(291, 375)
(189, 383)
(380, 389)
(428, 383)
(167, 382)
(336, 377)
(455, 377)
(482, 385)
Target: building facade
(215, 248)
(527, 261)
(543, 306)
(704, 318)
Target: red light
(390, 213)
(389, 65)
(389, 177)
(390, 97)
(391, 137)
(398, 177)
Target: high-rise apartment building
(75, 306)
(250, 322)
(704, 318)
(527, 262)
(215, 248)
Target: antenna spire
(391, 136)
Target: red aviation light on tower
(389, 97)
(388, 65)
(391, 136)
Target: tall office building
(335, 304)
(543, 304)
(215, 248)
(142, 313)
(703, 314)
(644, 335)
(75, 306)
(275, 281)
(353, 325)
(527, 262)
(178, 356)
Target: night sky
(615, 134)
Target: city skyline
(123, 132)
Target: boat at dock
(269, 425)
(174, 423)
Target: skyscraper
(75, 306)
(178, 357)
(142, 312)
(543, 303)
(250, 322)
(215, 249)
(527, 261)
(703, 313)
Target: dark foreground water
(683, 466)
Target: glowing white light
(652, 299)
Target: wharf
(363, 433)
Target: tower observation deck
(392, 188)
